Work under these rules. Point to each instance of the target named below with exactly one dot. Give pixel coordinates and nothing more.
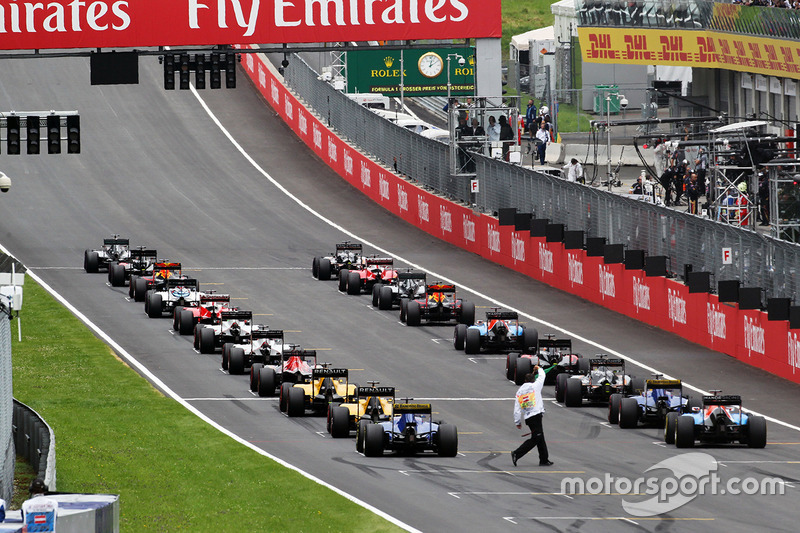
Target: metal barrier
(756, 260)
(7, 452)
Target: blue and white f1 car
(411, 430)
(719, 420)
(500, 332)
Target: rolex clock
(430, 64)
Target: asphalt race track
(155, 168)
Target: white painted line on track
(249, 399)
(493, 301)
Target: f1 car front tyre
(343, 273)
(467, 313)
(459, 336)
(448, 440)
(373, 440)
(757, 432)
(236, 361)
(472, 341)
(684, 432)
(385, 298)
(669, 427)
(353, 283)
(91, 261)
(523, 368)
(613, 408)
(295, 405)
(573, 393)
(116, 275)
(266, 382)
(628, 413)
(340, 422)
(413, 314)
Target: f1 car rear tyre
(524, 367)
(315, 267)
(91, 261)
(175, 314)
(403, 309)
(185, 322)
(236, 361)
(324, 269)
(573, 393)
(467, 313)
(295, 405)
(116, 275)
(511, 365)
(206, 343)
(583, 365)
(628, 413)
(361, 434)
(376, 295)
(373, 440)
(756, 432)
(684, 432)
(561, 387)
(226, 350)
(343, 273)
(669, 427)
(448, 440)
(196, 339)
(472, 341)
(530, 340)
(283, 399)
(353, 283)
(613, 408)
(637, 385)
(340, 422)
(255, 371)
(267, 379)
(385, 298)
(459, 336)
(413, 314)
(154, 309)
(139, 289)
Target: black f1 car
(439, 305)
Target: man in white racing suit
(529, 405)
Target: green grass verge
(520, 16)
(116, 434)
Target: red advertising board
(139, 23)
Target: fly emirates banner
(128, 23)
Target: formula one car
(327, 386)
(113, 251)
(650, 406)
(406, 285)
(208, 311)
(139, 263)
(291, 366)
(262, 346)
(373, 271)
(439, 305)
(180, 291)
(233, 327)
(554, 356)
(371, 404)
(410, 430)
(719, 420)
(604, 378)
(346, 256)
(154, 279)
(500, 332)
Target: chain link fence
(6, 410)
(758, 260)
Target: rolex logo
(388, 61)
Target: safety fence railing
(755, 260)
(7, 452)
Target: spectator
(506, 134)
(763, 198)
(39, 512)
(494, 129)
(530, 119)
(638, 187)
(678, 176)
(700, 166)
(692, 193)
(542, 138)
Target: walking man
(530, 407)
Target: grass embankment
(116, 434)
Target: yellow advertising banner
(703, 48)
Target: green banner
(424, 71)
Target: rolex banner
(133, 23)
(424, 72)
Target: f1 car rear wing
(141, 254)
(377, 261)
(411, 275)
(267, 334)
(412, 408)
(363, 392)
(305, 355)
(214, 298)
(166, 265)
(662, 384)
(440, 287)
(116, 242)
(502, 315)
(559, 345)
(236, 315)
(729, 399)
(319, 373)
(600, 361)
(349, 247)
(182, 282)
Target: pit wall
(658, 301)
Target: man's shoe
(542, 463)
(514, 458)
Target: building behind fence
(757, 260)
